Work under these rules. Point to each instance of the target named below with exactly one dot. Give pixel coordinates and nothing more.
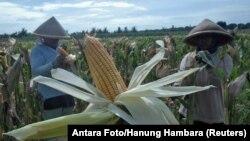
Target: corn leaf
(58, 126)
(63, 87)
(120, 113)
(166, 111)
(143, 110)
(142, 71)
(161, 82)
(69, 77)
(204, 58)
(160, 43)
(165, 91)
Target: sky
(78, 15)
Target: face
(51, 42)
(204, 42)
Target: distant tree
(188, 27)
(83, 32)
(164, 29)
(231, 26)
(22, 33)
(105, 30)
(172, 28)
(4, 35)
(241, 26)
(222, 24)
(99, 31)
(125, 29)
(119, 30)
(134, 29)
(14, 34)
(93, 30)
(179, 29)
(247, 25)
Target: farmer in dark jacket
(207, 37)
(45, 57)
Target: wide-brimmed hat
(208, 28)
(51, 29)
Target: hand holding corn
(69, 59)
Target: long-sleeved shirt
(209, 104)
(41, 58)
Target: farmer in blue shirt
(45, 57)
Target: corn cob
(63, 52)
(102, 68)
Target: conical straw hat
(209, 28)
(51, 29)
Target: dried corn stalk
(162, 69)
(1, 134)
(151, 51)
(233, 50)
(103, 70)
(236, 86)
(75, 44)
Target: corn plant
(110, 99)
(18, 102)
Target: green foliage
(242, 108)
(128, 54)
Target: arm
(38, 63)
(187, 62)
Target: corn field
(19, 104)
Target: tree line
(125, 31)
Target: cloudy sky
(78, 15)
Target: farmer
(45, 57)
(207, 37)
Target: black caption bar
(157, 132)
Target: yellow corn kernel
(102, 68)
